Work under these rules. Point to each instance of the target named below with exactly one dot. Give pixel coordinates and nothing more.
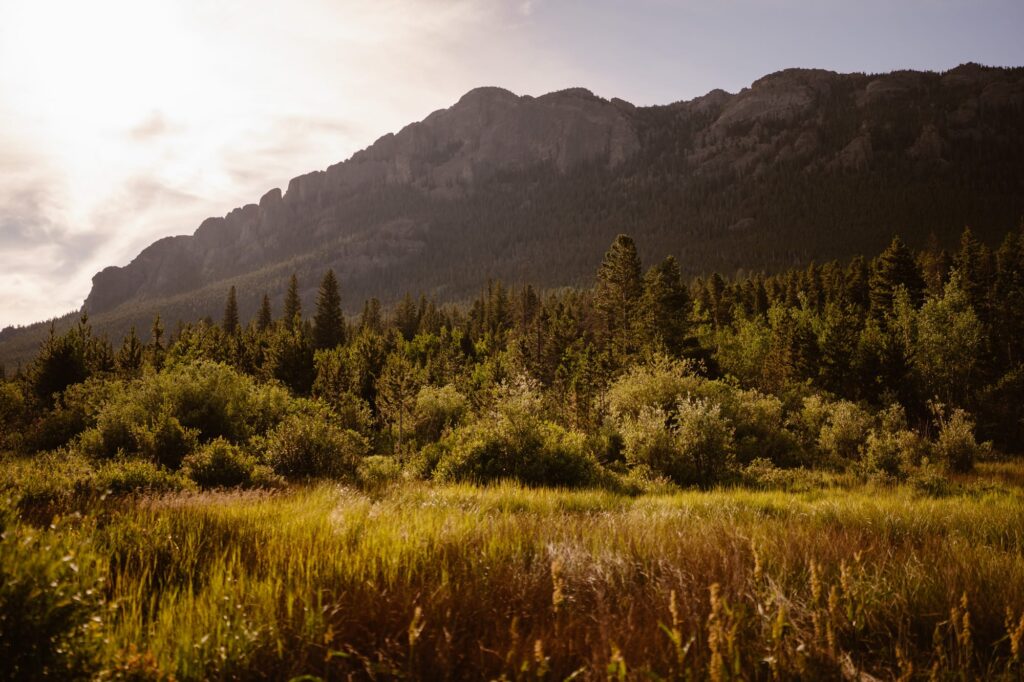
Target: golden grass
(463, 582)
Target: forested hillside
(802, 166)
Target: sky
(123, 121)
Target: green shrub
(50, 592)
(659, 384)
(436, 410)
(377, 472)
(311, 445)
(759, 422)
(845, 430)
(48, 483)
(123, 476)
(955, 448)
(883, 452)
(693, 446)
(164, 416)
(220, 464)
(513, 442)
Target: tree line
(638, 368)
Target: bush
(436, 410)
(657, 385)
(883, 453)
(164, 416)
(693, 446)
(845, 430)
(311, 445)
(513, 442)
(50, 589)
(955, 448)
(377, 472)
(135, 475)
(48, 483)
(759, 422)
(220, 464)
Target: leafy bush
(47, 483)
(659, 384)
(220, 464)
(759, 422)
(693, 446)
(378, 472)
(513, 442)
(436, 410)
(50, 589)
(135, 475)
(164, 416)
(311, 445)
(955, 446)
(845, 430)
(883, 452)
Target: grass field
(436, 582)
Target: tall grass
(461, 582)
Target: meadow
(819, 577)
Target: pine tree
(665, 306)
(292, 303)
(370, 320)
(230, 325)
(894, 268)
(129, 357)
(155, 349)
(617, 292)
(265, 318)
(328, 323)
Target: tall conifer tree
(230, 324)
(328, 323)
(292, 303)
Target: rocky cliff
(804, 164)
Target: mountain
(802, 165)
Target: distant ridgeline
(927, 332)
(804, 165)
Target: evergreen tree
(129, 357)
(155, 349)
(665, 306)
(397, 386)
(370, 320)
(894, 268)
(292, 302)
(617, 292)
(265, 318)
(406, 317)
(230, 325)
(328, 323)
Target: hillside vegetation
(804, 475)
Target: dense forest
(803, 475)
(896, 364)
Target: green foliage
(310, 444)
(377, 472)
(513, 442)
(125, 476)
(328, 323)
(436, 410)
(221, 464)
(694, 445)
(956, 448)
(845, 429)
(51, 599)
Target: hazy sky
(122, 121)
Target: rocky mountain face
(489, 131)
(802, 165)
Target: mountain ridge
(524, 187)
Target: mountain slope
(802, 165)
